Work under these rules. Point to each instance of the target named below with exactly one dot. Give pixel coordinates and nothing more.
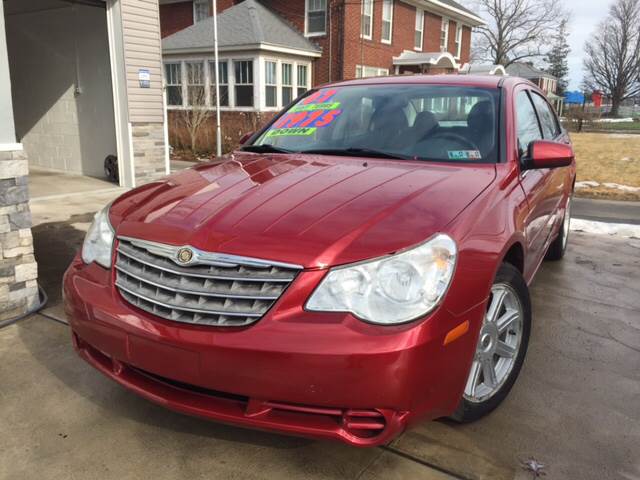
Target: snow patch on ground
(601, 228)
(615, 186)
(614, 120)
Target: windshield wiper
(356, 152)
(265, 148)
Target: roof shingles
(246, 24)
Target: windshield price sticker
(291, 132)
(316, 106)
(464, 155)
(315, 111)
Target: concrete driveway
(574, 408)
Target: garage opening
(61, 79)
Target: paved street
(607, 211)
(572, 409)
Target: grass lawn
(608, 158)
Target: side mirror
(546, 154)
(245, 138)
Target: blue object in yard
(574, 98)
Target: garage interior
(62, 91)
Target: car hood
(313, 211)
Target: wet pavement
(574, 408)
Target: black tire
(558, 247)
(111, 168)
(469, 411)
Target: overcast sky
(583, 20)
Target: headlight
(99, 240)
(390, 290)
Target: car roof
(486, 81)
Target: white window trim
(380, 72)
(446, 35)
(211, 81)
(459, 29)
(166, 80)
(390, 39)
(370, 36)
(195, 2)
(419, 13)
(306, 21)
(185, 82)
(259, 80)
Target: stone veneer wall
(148, 151)
(18, 268)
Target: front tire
(501, 347)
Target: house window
(387, 20)
(458, 40)
(223, 80)
(195, 84)
(367, 19)
(200, 10)
(444, 34)
(316, 17)
(364, 71)
(271, 84)
(243, 70)
(173, 78)
(287, 83)
(302, 79)
(417, 43)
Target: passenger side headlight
(99, 240)
(390, 290)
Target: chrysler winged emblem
(185, 255)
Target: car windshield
(417, 122)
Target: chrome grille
(210, 289)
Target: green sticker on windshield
(315, 106)
(292, 132)
(464, 155)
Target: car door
(533, 182)
(555, 178)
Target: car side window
(550, 126)
(527, 126)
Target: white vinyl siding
(142, 51)
(387, 21)
(419, 31)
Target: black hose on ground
(43, 299)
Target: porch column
(18, 269)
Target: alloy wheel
(498, 344)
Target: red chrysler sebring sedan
(359, 265)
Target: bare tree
(516, 30)
(612, 62)
(194, 116)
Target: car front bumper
(313, 374)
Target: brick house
(360, 38)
